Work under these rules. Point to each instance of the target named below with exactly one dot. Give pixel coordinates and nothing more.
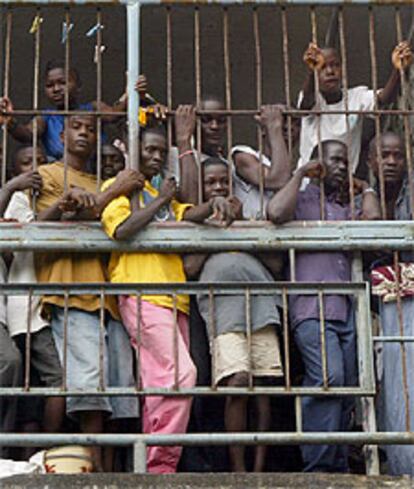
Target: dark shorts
(44, 358)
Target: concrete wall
(153, 51)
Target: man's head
(215, 178)
(335, 162)
(392, 154)
(113, 161)
(81, 136)
(154, 150)
(330, 74)
(213, 126)
(23, 159)
(55, 83)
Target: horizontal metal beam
(207, 2)
(196, 391)
(223, 288)
(186, 237)
(209, 439)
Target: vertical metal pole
(365, 363)
(212, 335)
(140, 456)
(28, 341)
(323, 340)
(133, 32)
(67, 106)
(406, 118)
(101, 340)
(175, 345)
(285, 306)
(98, 100)
(197, 65)
(169, 75)
(259, 102)
(346, 103)
(285, 33)
(65, 341)
(227, 75)
(36, 69)
(6, 90)
(249, 334)
(374, 82)
(138, 343)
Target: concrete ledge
(205, 481)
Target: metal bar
(292, 264)
(323, 340)
(400, 316)
(259, 103)
(209, 439)
(314, 26)
(28, 342)
(298, 414)
(65, 125)
(188, 238)
(140, 456)
(98, 55)
(197, 66)
(374, 82)
(285, 306)
(223, 288)
(393, 339)
(169, 74)
(36, 69)
(227, 80)
(406, 120)
(248, 313)
(6, 91)
(342, 43)
(101, 340)
(286, 71)
(133, 33)
(185, 392)
(138, 344)
(175, 345)
(65, 341)
(213, 334)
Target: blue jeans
(327, 414)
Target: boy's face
(336, 166)
(55, 87)
(24, 160)
(153, 154)
(81, 135)
(213, 127)
(215, 181)
(330, 75)
(393, 159)
(112, 161)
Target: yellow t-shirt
(70, 267)
(141, 267)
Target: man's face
(55, 87)
(330, 75)
(112, 161)
(336, 166)
(213, 127)
(81, 135)
(215, 181)
(153, 154)
(393, 159)
(24, 160)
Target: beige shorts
(232, 355)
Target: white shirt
(334, 126)
(248, 194)
(22, 270)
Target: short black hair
(17, 150)
(156, 129)
(324, 146)
(214, 160)
(373, 143)
(54, 64)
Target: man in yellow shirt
(159, 365)
(55, 203)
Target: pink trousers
(163, 415)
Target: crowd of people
(41, 187)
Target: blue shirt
(54, 125)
